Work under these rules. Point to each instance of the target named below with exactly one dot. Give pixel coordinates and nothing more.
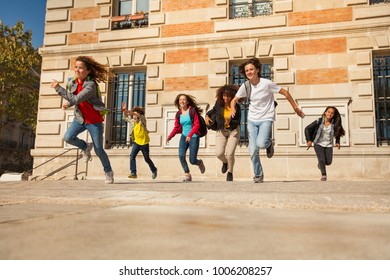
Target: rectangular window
(238, 79)
(125, 7)
(373, 2)
(381, 69)
(250, 8)
(129, 88)
(130, 14)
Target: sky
(31, 12)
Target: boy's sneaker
(109, 177)
(154, 174)
(87, 152)
(187, 177)
(229, 176)
(270, 150)
(201, 166)
(132, 176)
(323, 178)
(258, 179)
(224, 168)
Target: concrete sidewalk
(166, 219)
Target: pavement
(166, 219)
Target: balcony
(130, 21)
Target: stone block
(152, 125)
(264, 50)
(155, 140)
(52, 142)
(47, 77)
(372, 11)
(105, 11)
(218, 53)
(283, 6)
(59, 64)
(382, 41)
(115, 60)
(136, 33)
(153, 85)
(285, 139)
(56, 40)
(153, 58)
(48, 129)
(365, 89)
(103, 23)
(363, 58)
(59, 4)
(156, 19)
(281, 63)
(283, 48)
(51, 115)
(358, 43)
(60, 27)
(356, 74)
(139, 58)
(153, 71)
(154, 112)
(282, 123)
(221, 67)
(366, 121)
(127, 57)
(155, 5)
(284, 78)
(359, 137)
(217, 81)
(54, 15)
(247, 24)
(218, 13)
(250, 48)
(152, 98)
(50, 103)
(362, 105)
(235, 52)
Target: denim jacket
(313, 131)
(90, 93)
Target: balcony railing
(256, 8)
(372, 2)
(130, 21)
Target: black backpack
(203, 128)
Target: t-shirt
(226, 116)
(186, 123)
(324, 139)
(261, 107)
(89, 113)
(141, 137)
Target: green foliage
(20, 66)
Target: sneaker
(132, 176)
(323, 178)
(229, 176)
(187, 177)
(224, 168)
(258, 179)
(87, 152)
(270, 149)
(154, 174)
(109, 177)
(201, 166)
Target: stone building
(325, 52)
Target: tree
(20, 66)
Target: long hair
(253, 61)
(191, 102)
(99, 72)
(229, 90)
(338, 128)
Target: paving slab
(166, 219)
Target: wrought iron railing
(381, 69)
(373, 2)
(130, 21)
(244, 9)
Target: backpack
(203, 128)
(248, 90)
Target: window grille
(381, 67)
(250, 8)
(373, 2)
(238, 79)
(131, 89)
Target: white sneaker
(87, 152)
(109, 177)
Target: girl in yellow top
(140, 135)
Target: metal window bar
(246, 9)
(373, 2)
(381, 68)
(124, 84)
(237, 79)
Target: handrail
(57, 156)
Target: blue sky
(31, 12)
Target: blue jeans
(96, 132)
(194, 148)
(145, 152)
(259, 134)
